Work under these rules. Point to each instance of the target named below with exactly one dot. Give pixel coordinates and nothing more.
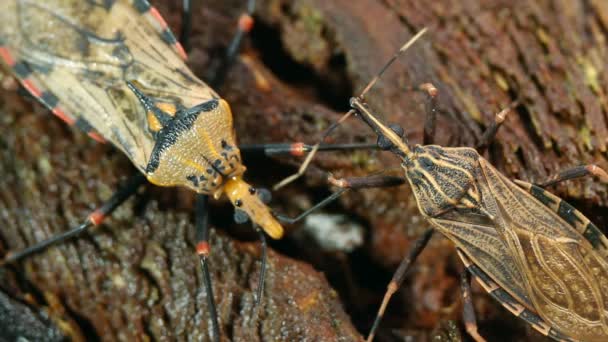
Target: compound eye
(240, 216)
(264, 195)
(384, 143)
(397, 129)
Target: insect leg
(398, 278)
(94, 219)
(186, 30)
(203, 250)
(314, 150)
(431, 112)
(245, 25)
(346, 184)
(300, 148)
(468, 312)
(576, 172)
(490, 133)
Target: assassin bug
(538, 256)
(118, 73)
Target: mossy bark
(136, 276)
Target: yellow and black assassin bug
(115, 70)
(539, 257)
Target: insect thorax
(442, 178)
(196, 149)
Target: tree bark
(136, 276)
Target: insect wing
(481, 243)
(76, 56)
(509, 302)
(565, 277)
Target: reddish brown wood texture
(136, 276)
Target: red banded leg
(245, 24)
(203, 250)
(186, 30)
(299, 148)
(94, 219)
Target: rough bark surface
(136, 277)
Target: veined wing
(565, 277)
(76, 56)
(479, 240)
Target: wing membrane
(482, 244)
(83, 52)
(565, 279)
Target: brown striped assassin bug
(539, 257)
(118, 73)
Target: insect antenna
(375, 180)
(401, 50)
(334, 125)
(264, 245)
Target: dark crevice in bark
(332, 88)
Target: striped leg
(94, 219)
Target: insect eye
(397, 129)
(240, 216)
(264, 195)
(384, 143)
(238, 203)
(252, 190)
